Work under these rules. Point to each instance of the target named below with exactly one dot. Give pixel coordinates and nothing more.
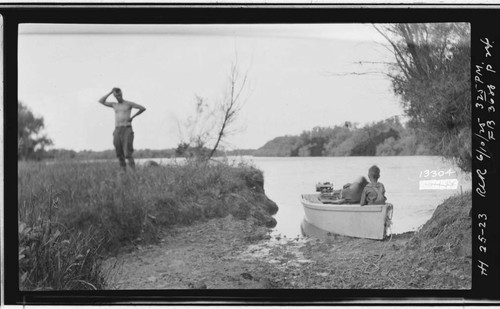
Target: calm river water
(285, 179)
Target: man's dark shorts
(123, 139)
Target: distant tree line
(66, 154)
(384, 138)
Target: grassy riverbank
(71, 214)
(181, 224)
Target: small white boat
(369, 221)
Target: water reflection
(310, 230)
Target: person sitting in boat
(351, 192)
(374, 192)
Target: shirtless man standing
(123, 136)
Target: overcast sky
(295, 79)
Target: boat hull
(368, 221)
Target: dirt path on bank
(236, 254)
(204, 255)
(227, 253)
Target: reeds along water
(71, 214)
(53, 253)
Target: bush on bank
(70, 214)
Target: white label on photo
(439, 184)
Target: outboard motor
(325, 187)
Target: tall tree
(213, 123)
(431, 74)
(29, 136)
(230, 106)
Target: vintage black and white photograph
(244, 156)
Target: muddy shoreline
(204, 255)
(230, 253)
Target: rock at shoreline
(150, 163)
